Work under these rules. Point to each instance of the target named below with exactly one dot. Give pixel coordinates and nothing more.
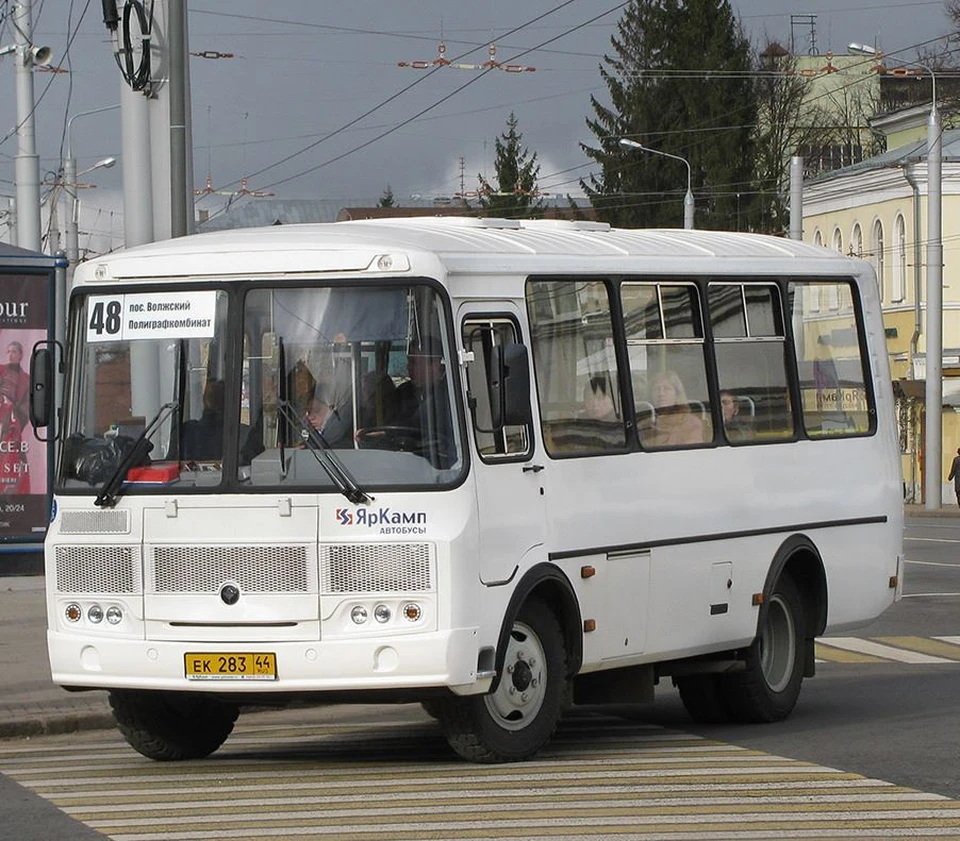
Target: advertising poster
(24, 319)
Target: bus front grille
(373, 567)
(98, 569)
(95, 522)
(204, 569)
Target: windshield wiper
(323, 453)
(110, 491)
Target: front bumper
(427, 660)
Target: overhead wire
(393, 97)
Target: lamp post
(70, 186)
(27, 162)
(688, 203)
(933, 429)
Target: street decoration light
(933, 429)
(688, 203)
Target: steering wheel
(403, 439)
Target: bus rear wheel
(169, 726)
(518, 718)
(767, 690)
(704, 698)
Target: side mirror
(510, 386)
(42, 398)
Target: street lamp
(688, 198)
(934, 376)
(27, 162)
(70, 185)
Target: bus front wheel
(518, 718)
(768, 688)
(169, 726)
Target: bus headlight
(359, 614)
(382, 613)
(114, 615)
(95, 614)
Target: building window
(878, 256)
(899, 261)
(813, 291)
(831, 301)
(856, 242)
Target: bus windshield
(357, 379)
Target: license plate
(230, 666)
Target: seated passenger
(203, 438)
(423, 403)
(674, 425)
(598, 401)
(378, 399)
(733, 427)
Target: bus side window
(480, 337)
(578, 380)
(834, 393)
(748, 333)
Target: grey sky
(303, 69)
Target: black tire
(520, 717)
(169, 726)
(768, 689)
(704, 698)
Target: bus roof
(459, 244)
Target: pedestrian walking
(955, 475)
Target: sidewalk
(30, 703)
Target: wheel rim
(778, 644)
(520, 694)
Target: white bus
(496, 467)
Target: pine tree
(679, 81)
(386, 200)
(515, 194)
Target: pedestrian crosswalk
(313, 776)
(906, 649)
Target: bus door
(510, 501)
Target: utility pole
(177, 40)
(27, 161)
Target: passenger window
(480, 336)
(581, 409)
(834, 396)
(665, 346)
(747, 323)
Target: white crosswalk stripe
(601, 777)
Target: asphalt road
(893, 721)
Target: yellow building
(877, 210)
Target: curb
(50, 725)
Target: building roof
(915, 152)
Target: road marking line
(931, 563)
(954, 640)
(826, 652)
(887, 652)
(924, 645)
